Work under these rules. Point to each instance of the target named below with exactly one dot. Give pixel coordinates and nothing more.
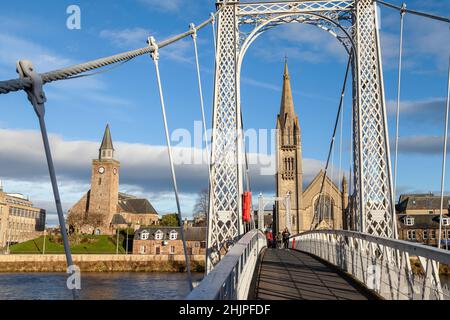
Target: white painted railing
(383, 265)
(231, 277)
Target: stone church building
(103, 207)
(309, 208)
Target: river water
(101, 286)
(96, 286)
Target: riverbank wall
(100, 263)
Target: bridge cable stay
(202, 105)
(37, 98)
(155, 57)
(397, 114)
(247, 175)
(414, 12)
(444, 157)
(69, 72)
(341, 102)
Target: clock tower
(104, 193)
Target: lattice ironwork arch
(331, 24)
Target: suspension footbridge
(366, 262)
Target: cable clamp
(193, 30)
(152, 43)
(403, 8)
(35, 93)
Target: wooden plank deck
(293, 275)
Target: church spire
(287, 102)
(106, 149)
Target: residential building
(159, 240)
(418, 217)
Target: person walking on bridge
(286, 236)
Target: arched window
(173, 235)
(144, 235)
(159, 235)
(323, 208)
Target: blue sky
(127, 98)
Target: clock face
(101, 170)
(115, 170)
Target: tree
(94, 220)
(75, 220)
(201, 206)
(169, 220)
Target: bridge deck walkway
(288, 274)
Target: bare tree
(94, 220)
(201, 206)
(75, 220)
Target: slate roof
(421, 221)
(118, 219)
(131, 204)
(425, 202)
(107, 140)
(191, 234)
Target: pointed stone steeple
(287, 102)
(106, 151)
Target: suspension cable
(200, 92)
(444, 156)
(65, 73)
(397, 115)
(155, 57)
(341, 102)
(417, 13)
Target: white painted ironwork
(371, 143)
(382, 264)
(232, 276)
(354, 24)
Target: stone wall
(100, 263)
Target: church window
(323, 209)
(103, 153)
(144, 235)
(159, 235)
(289, 165)
(172, 250)
(157, 250)
(173, 235)
(100, 181)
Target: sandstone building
(306, 205)
(19, 220)
(167, 241)
(103, 208)
(418, 218)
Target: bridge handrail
(382, 264)
(230, 279)
(441, 255)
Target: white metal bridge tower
(355, 24)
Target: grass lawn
(102, 244)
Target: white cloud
(144, 170)
(425, 145)
(420, 112)
(44, 60)
(301, 42)
(164, 5)
(127, 38)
